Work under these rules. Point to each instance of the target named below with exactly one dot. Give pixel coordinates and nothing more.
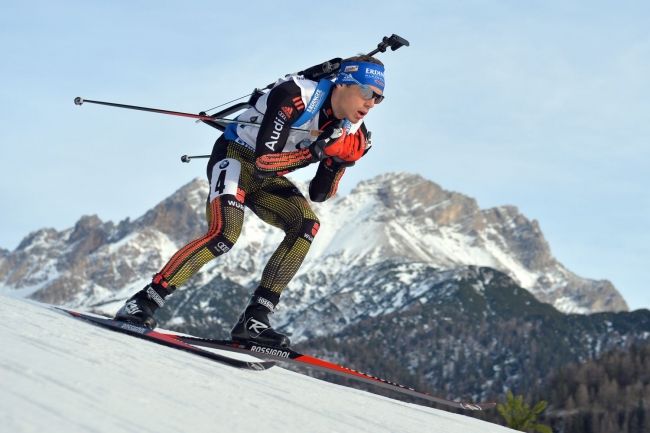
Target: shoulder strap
(231, 132)
(315, 102)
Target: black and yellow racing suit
(242, 177)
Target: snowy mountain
(62, 375)
(396, 217)
(404, 279)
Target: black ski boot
(254, 326)
(140, 308)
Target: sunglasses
(367, 93)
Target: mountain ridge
(395, 215)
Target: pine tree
(520, 416)
(582, 396)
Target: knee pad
(219, 245)
(309, 229)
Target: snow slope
(58, 374)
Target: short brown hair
(363, 58)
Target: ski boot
(139, 309)
(254, 326)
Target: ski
(296, 358)
(165, 339)
(268, 356)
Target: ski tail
(165, 339)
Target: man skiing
(247, 168)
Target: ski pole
(79, 101)
(188, 158)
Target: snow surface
(58, 374)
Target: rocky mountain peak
(179, 216)
(88, 234)
(412, 196)
(522, 236)
(36, 238)
(90, 226)
(399, 217)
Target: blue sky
(544, 105)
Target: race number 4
(225, 178)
